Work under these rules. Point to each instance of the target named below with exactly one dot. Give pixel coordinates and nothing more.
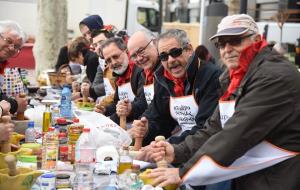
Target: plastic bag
(103, 130)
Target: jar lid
(75, 120)
(48, 175)
(62, 176)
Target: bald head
(142, 49)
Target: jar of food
(63, 181)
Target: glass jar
(63, 181)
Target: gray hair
(14, 28)
(180, 36)
(117, 41)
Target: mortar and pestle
(20, 121)
(85, 103)
(5, 146)
(160, 164)
(17, 178)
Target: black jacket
(91, 62)
(202, 82)
(138, 105)
(267, 108)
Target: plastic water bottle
(50, 152)
(84, 161)
(65, 103)
(30, 133)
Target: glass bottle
(47, 118)
(125, 161)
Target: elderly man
(260, 103)
(128, 80)
(143, 52)
(12, 39)
(185, 92)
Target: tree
(51, 34)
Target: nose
(227, 47)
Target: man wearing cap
(253, 137)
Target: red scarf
(3, 66)
(237, 75)
(178, 83)
(149, 76)
(127, 75)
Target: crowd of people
(164, 86)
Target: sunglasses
(233, 41)
(174, 52)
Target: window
(149, 18)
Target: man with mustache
(185, 92)
(129, 84)
(257, 117)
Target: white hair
(14, 28)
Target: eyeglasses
(140, 51)
(174, 52)
(233, 41)
(114, 57)
(10, 43)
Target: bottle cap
(75, 120)
(61, 121)
(60, 135)
(51, 129)
(30, 124)
(86, 129)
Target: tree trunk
(51, 34)
(233, 7)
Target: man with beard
(185, 92)
(129, 84)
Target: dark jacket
(97, 87)
(62, 57)
(91, 62)
(138, 105)
(202, 82)
(267, 108)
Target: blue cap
(30, 124)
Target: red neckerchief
(3, 66)
(149, 74)
(178, 83)
(237, 75)
(127, 75)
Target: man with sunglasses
(12, 39)
(185, 92)
(253, 137)
(129, 84)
